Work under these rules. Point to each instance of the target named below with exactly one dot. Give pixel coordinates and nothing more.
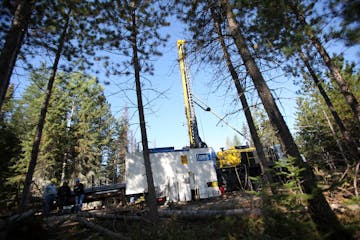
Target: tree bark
(42, 118)
(241, 93)
(151, 199)
(351, 144)
(13, 42)
(68, 148)
(356, 172)
(319, 208)
(124, 142)
(335, 72)
(335, 137)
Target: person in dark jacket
(64, 194)
(79, 194)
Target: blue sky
(165, 116)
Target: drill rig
(195, 140)
(233, 165)
(179, 174)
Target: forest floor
(236, 215)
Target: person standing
(64, 194)
(79, 194)
(50, 195)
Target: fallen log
(209, 212)
(20, 216)
(18, 226)
(114, 216)
(166, 213)
(101, 229)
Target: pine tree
(351, 143)
(42, 117)
(319, 208)
(9, 147)
(78, 20)
(24, 116)
(206, 25)
(284, 26)
(349, 28)
(74, 139)
(123, 143)
(7, 10)
(90, 127)
(333, 69)
(264, 127)
(12, 45)
(118, 149)
(138, 43)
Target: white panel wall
(171, 176)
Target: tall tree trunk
(151, 199)
(124, 142)
(241, 93)
(351, 144)
(335, 72)
(68, 148)
(41, 122)
(356, 173)
(319, 208)
(114, 170)
(122, 169)
(13, 42)
(335, 137)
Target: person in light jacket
(50, 195)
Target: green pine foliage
(314, 135)
(89, 126)
(349, 27)
(7, 9)
(118, 149)
(81, 40)
(285, 213)
(266, 131)
(351, 74)
(28, 107)
(9, 148)
(76, 131)
(116, 34)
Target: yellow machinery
(234, 156)
(195, 140)
(228, 158)
(234, 165)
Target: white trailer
(179, 175)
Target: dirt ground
(70, 225)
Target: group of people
(62, 195)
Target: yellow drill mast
(195, 140)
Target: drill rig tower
(195, 140)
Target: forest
(60, 125)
